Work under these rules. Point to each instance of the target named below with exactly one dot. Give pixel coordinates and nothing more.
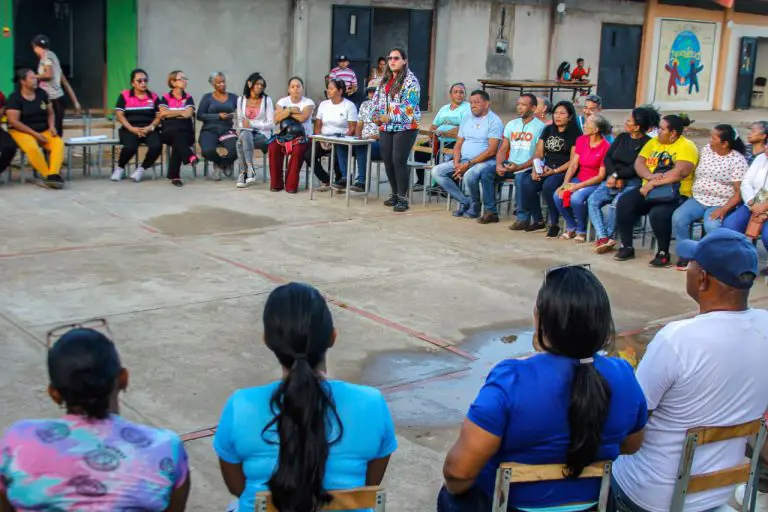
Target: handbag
(756, 220)
(663, 194)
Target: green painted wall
(6, 47)
(122, 46)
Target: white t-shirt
(705, 371)
(304, 102)
(336, 118)
(715, 176)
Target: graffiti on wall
(685, 60)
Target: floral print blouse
(403, 109)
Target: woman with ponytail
(304, 435)
(91, 458)
(568, 404)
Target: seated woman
(756, 138)
(335, 116)
(255, 121)
(620, 168)
(292, 113)
(177, 111)
(377, 73)
(217, 111)
(666, 161)
(716, 185)
(91, 458)
(567, 405)
(555, 148)
(584, 175)
(754, 196)
(31, 124)
(136, 111)
(7, 145)
(303, 435)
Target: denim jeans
(738, 220)
(443, 174)
(605, 227)
(546, 186)
(247, 141)
(688, 213)
(620, 502)
(361, 157)
(576, 215)
(474, 500)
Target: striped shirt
(346, 74)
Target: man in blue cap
(708, 370)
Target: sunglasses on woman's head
(585, 266)
(97, 324)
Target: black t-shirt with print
(34, 113)
(557, 144)
(622, 154)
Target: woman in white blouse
(255, 120)
(754, 194)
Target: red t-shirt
(578, 73)
(389, 84)
(590, 158)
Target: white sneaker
(250, 177)
(117, 174)
(761, 503)
(216, 173)
(137, 174)
(241, 181)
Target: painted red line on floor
(253, 270)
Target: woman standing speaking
(396, 104)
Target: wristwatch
(615, 175)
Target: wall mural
(685, 61)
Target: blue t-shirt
(523, 138)
(368, 434)
(448, 119)
(525, 402)
(476, 131)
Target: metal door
(746, 77)
(619, 64)
(352, 38)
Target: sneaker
(339, 185)
(392, 201)
(54, 181)
(117, 174)
(418, 187)
(519, 225)
(681, 265)
(553, 231)
(535, 226)
(761, 503)
(401, 206)
(241, 181)
(661, 260)
(177, 182)
(137, 174)
(461, 210)
(605, 245)
(488, 218)
(358, 187)
(250, 177)
(625, 253)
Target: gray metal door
(619, 63)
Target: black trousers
(7, 150)
(209, 141)
(131, 144)
(58, 114)
(181, 143)
(395, 148)
(323, 176)
(632, 205)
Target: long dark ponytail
(574, 320)
(298, 328)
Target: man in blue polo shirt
(475, 149)
(515, 159)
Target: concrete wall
(235, 37)
(761, 69)
(734, 46)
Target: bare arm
(70, 92)
(457, 151)
(573, 166)
(352, 126)
(451, 134)
(469, 455)
(376, 469)
(281, 113)
(318, 128)
(642, 169)
(359, 129)
(179, 497)
(732, 203)
(501, 157)
(305, 114)
(234, 477)
(632, 443)
(679, 172)
(52, 120)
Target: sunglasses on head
(97, 324)
(585, 266)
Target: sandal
(568, 235)
(580, 239)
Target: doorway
(76, 29)
(364, 34)
(753, 73)
(619, 64)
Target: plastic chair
(353, 499)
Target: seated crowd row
(305, 434)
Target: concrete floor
(182, 276)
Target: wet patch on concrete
(207, 220)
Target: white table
(350, 142)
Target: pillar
(723, 69)
(122, 46)
(299, 44)
(645, 73)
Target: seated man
(705, 371)
(514, 160)
(593, 104)
(475, 149)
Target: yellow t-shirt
(667, 155)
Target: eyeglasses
(585, 266)
(393, 57)
(97, 324)
(142, 80)
(182, 79)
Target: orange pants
(31, 147)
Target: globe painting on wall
(685, 60)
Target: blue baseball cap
(726, 255)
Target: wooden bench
(372, 497)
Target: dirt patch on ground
(207, 220)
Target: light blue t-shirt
(476, 131)
(523, 138)
(368, 434)
(447, 119)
